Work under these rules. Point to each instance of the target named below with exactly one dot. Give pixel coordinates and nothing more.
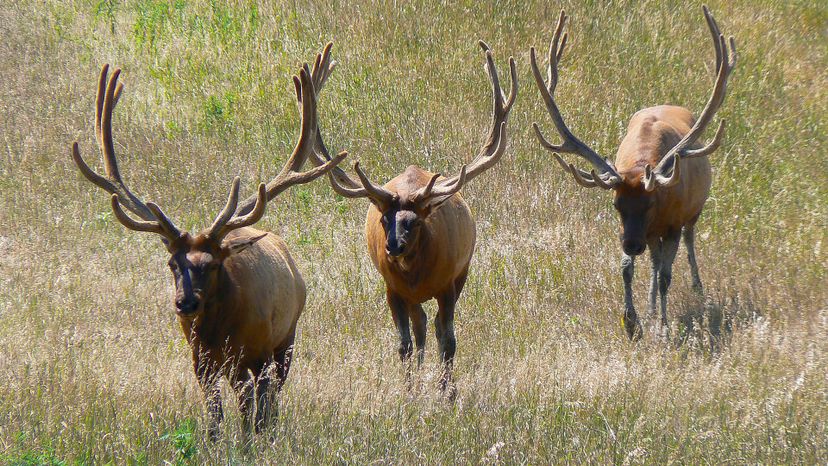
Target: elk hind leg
(444, 330)
(267, 408)
(245, 388)
(669, 249)
(655, 248)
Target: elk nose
(394, 251)
(633, 247)
(186, 306)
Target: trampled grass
(95, 369)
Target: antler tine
(427, 190)
(164, 221)
(726, 61)
(107, 146)
(132, 224)
(221, 228)
(709, 148)
(655, 178)
(555, 53)
(372, 190)
(571, 144)
(323, 67)
(229, 209)
(596, 178)
(162, 226)
(255, 215)
(99, 101)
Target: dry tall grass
(95, 369)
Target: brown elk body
(238, 291)
(661, 177)
(419, 231)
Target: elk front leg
(208, 379)
(399, 311)
(419, 321)
(444, 331)
(689, 235)
(669, 248)
(631, 322)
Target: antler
(153, 218)
(346, 186)
(606, 177)
(305, 147)
(495, 145)
(725, 62)
(228, 220)
(342, 183)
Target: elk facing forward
(419, 230)
(661, 177)
(238, 292)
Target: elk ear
(237, 245)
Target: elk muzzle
(189, 303)
(394, 247)
(633, 247)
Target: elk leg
(244, 389)
(208, 380)
(282, 359)
(267, 405)
(655, 259)
(630, 319)
(665, 276)
(689, 235)
(399, 311)
(419, 321)
(444, 330)
(264, 399)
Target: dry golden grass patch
(95, 369)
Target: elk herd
(239, 294)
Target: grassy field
(94, 368)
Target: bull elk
(238, 292)
(661, 177)
(419, 231)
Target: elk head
(635, 190)
(196, 261)
(405, 210)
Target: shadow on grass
(706, 323)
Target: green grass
(96, 371)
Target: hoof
(632, 326)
